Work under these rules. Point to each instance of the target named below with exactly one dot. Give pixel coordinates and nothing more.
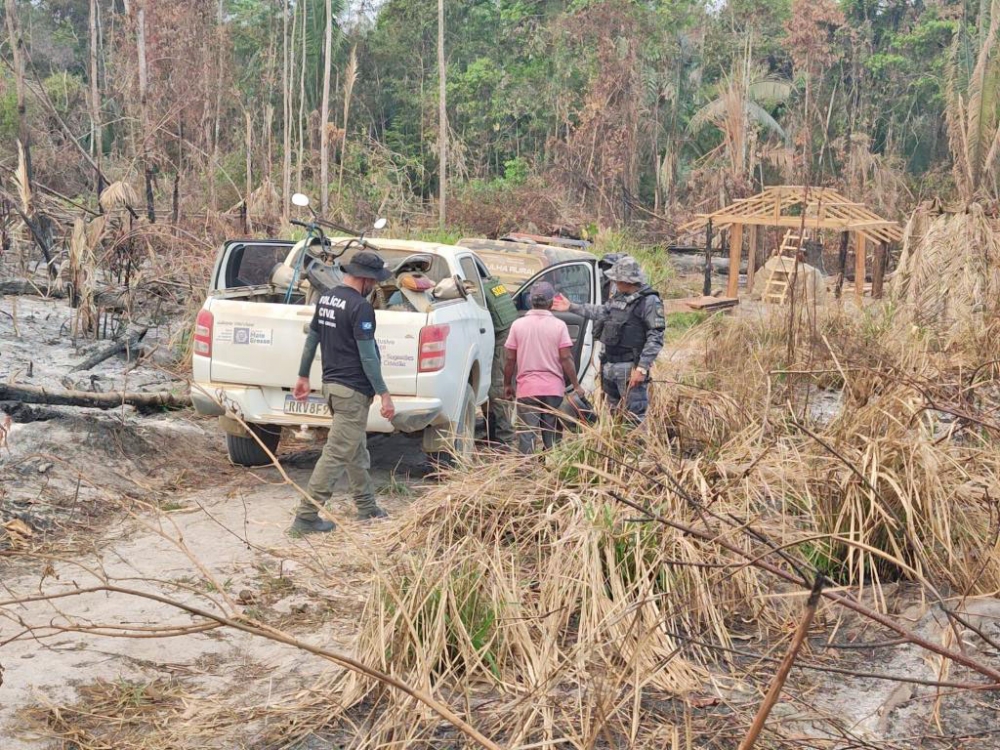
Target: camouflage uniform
(503, 312)
(630, 327)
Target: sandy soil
(227, 536)
(89, 497)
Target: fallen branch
(15, 287)
(844, 601)
(31, 394)
(774, 692)
(260, 630)
(126, 344)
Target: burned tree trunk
(442, 120)
(324, 132)
(127, 343)
(31, 394)
(25, 172)
(96, 130)
(841, 264)
(139, 8)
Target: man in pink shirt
(540, 352)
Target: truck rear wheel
(246, 451)
(463, 441)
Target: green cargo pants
(346, 450)
(500, 411)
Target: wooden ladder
(779, 282)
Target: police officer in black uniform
(630, 326)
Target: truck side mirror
(301, 200)
(380, 223)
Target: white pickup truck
(436, 360)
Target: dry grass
(530, 596)
(113, 714)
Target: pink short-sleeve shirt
(537, 338)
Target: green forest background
(562, 116)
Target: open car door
(575, 280)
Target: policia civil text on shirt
(630, 326)
(499, 416)
(343, 327)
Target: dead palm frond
(350, 78)
(947, 282)
(973, 110)
(740, 113)
(118, 195)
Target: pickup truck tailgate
(260, 343)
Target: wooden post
(735, 253)
(752, 257)
(878, 270)
(706, 288)
(859, 265)
(841, 264)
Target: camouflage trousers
(500, 423)
(629, 401)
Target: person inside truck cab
(343, 327)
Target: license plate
(314, 406)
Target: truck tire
(245, 451)
(464, 439)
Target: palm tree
(973, 108)
(739, 112)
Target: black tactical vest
(624, 331)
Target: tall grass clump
(564, 599)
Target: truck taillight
(432, 348)
(203, 333)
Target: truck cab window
(573, 281)
(471, 271)
(252, 264)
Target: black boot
(371, 514)
(303, 526)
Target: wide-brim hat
(367, 265)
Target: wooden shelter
(794, 207)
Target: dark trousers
(630, 401)
(534, 413)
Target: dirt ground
(227, 534)
(88, 497)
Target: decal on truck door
(243, 334)
(394, 354)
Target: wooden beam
(752, 258)
(841, 264)
(707, 286)
(860, 243)
(878, 270)
(835, 223)
(735, 252)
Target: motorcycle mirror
(381, 223)
(300, 199)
